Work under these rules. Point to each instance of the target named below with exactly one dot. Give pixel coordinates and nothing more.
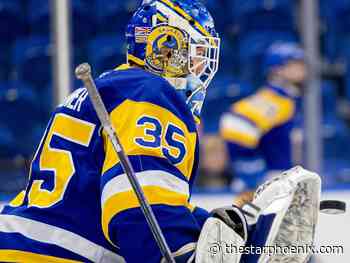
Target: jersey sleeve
(200, 214)
(245, 126)
(161, 145)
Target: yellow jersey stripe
(266, 109)
(136, 60)
(123, 67)
(239, 138)
(29, 257)
(126, 200)
(18, 200)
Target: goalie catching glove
(283, 213)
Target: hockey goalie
(79, 206)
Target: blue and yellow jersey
(79, 205)
(257, 131)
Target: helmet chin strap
(183, 84)
(200, 88)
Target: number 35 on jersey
(151, 130)
(169, 139)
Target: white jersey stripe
(159, 178)
(232, 122)
(49, 234)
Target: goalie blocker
(283, 213)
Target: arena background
(42, 41)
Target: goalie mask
(176, 40)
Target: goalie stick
(83, 72)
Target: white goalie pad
(293, 199)
(216, 242)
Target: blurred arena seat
(264, 14)
(229, 56)
(39, 16)
(12, 180)
(335, 16)
(111, 52)
(5, 61)
(12, 20)
(84, 24)
(347, 80)
(20, 114)
(329, 99)
(113, 15)
(31, 59)
(222, 92)
(336, 138)
(336, 133)
(46, 105)
(83, 18)
(216, 8)
(7, 143)
(253, 45)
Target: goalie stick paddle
(83, 72)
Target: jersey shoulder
(126, 85)
(266, 109)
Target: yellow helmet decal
(167, 51)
